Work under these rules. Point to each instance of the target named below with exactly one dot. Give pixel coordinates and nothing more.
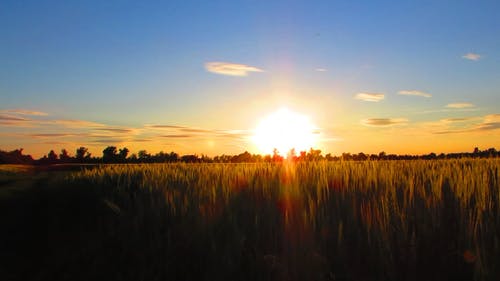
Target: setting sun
(285, 130)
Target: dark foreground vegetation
(347, 220)
(113, 155)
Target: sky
(198, 76)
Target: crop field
(346, 220)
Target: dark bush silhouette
(109, 154)
(113, 155)
(122, 156)
(15, 157)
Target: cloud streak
(492, 118)
(116, 130)
(460, 105)
(52, 135)
(231, 69)
(372, 97)
(490, 122)
(6, 117)
(472, 56)
(24, 112)
(184, 136)
(456, 120)
(160, 126)
(414, 93)
(74, 123)
(177, 130)
(383, 122)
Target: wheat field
(346, 220)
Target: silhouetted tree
(112, 155)
(430, 156)
(173, 157)
(361, 157)
(268, 158)
(276, 156)
(52, 157)
(133, 158)
(192, 158)
(109, 154)
(64, 156)
(346, 156)
(302, 156)
(144, 156)
(292, 155)
(382, 155)
(492, 152)
(82, 154)
(314, 155)
(244, 157)
(15, 157)
(122, 155)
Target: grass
(372, 220)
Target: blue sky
(129, 65)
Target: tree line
(112, 154)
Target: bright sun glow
(285, 130)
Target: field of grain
(368, 220)
(387, 220)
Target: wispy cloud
(233, 134)
(116, 130)
(489, 123)
(141, 140)
(488, 126)
(24, 112)
(492, 118)
(75, 123)
(56, 135)
(414, 93)
(177, 136)
(320, 69)
(483, 127)
(177, 131)
(160, 126)
(6, 117)
(384, 122)
(472, 56)
(57, 142)
(47, 131)
(460, 105)
(195, 130)
(112, 141)
(231, 69)
(20, 121)
(456, 120)
(373, 97)
(178, 128)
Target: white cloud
(321, 69)
(373, 97)
(383, 122)
(231, 69)
(472, 56)
(414, 93)
(460, 105)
